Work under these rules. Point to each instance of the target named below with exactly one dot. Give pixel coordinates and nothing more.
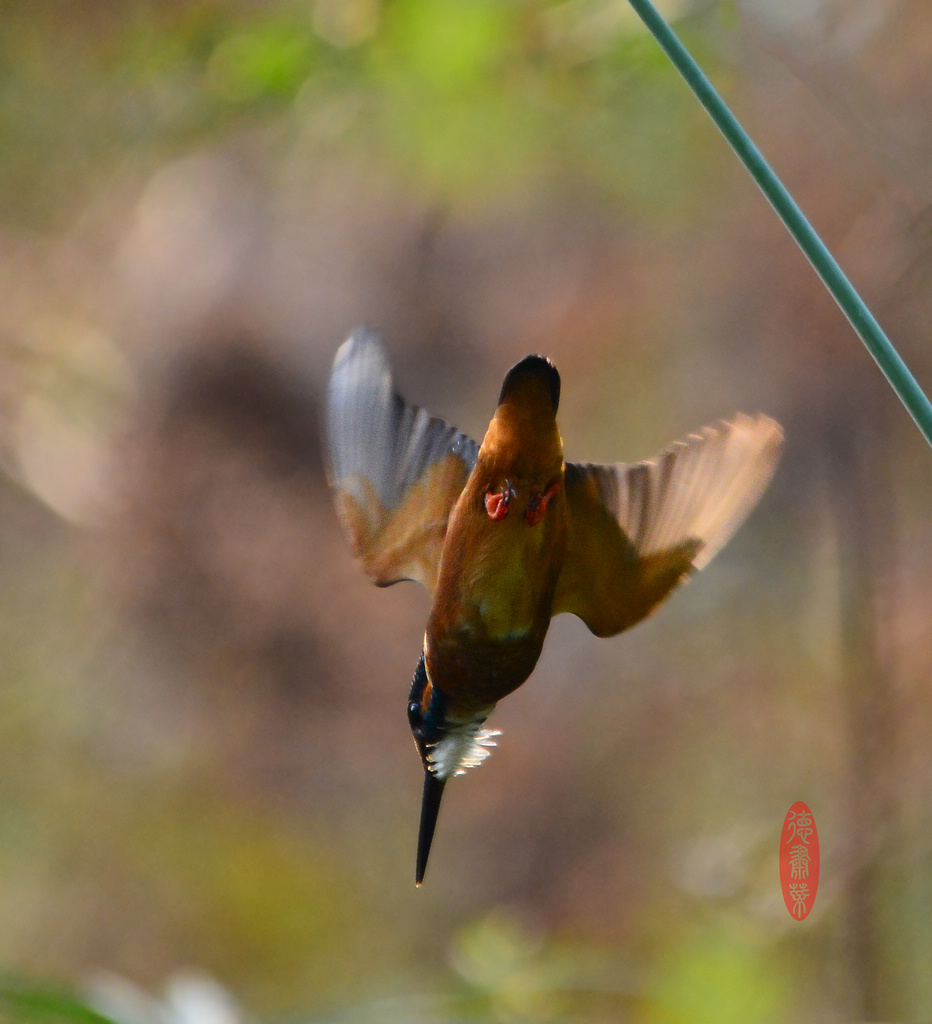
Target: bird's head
(447, 747)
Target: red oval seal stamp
(799, 860)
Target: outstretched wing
(635, 532)
(396, 472)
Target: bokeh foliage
(467, 100)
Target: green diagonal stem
(833, 277)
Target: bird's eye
(415, 719)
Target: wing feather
(636, 531)
(396, 471)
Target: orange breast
(500, 562)
(494, 596)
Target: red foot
(537, 506)
(497, 502)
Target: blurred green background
(208, 793)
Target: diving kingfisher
(505, 535)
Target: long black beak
(430, 807)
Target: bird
(506, 534)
